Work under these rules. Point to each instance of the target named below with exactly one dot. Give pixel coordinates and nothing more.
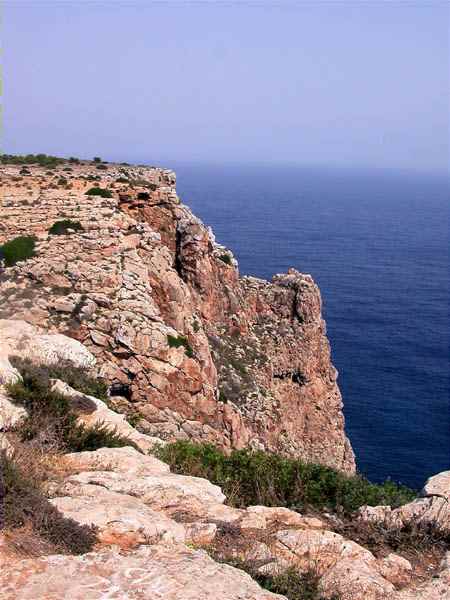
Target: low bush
(96, 191)
(226, 258)
(101, 167)
(52, 418)
(178, 341)
(20, 248)
(254, 477)
(25, 508)
(289, 583)
(122, 180)
(62, 227)
(78, 378)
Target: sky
(340, 84)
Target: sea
(377, 244)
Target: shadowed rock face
(202, 353)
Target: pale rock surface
(121, 460)
(28, 341)
(120, 518)
(437, 588)
(158, 491)
(437, 485)
(10, 414)
(158, 572)
(395, 569)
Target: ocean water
(377, 243)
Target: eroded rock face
(198, 352)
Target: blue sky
(323, 83)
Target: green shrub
(42, 160)
(62, 181)
(96, 191)
(62, 227)
(226, 258)
(97, 159)
(263, 478)
(78, 378)
(25, 504)
(178, 341)
(289, 583)
(122, 180)
(52, 419)
(82, 438)
(20, 248)
(102, 167)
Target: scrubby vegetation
(32, 522)
(62, 227)
(290, 583)
(226, 258)
(78, 378)
(229, 544)
(178, 341)
(52, 418)
(254, 477)
(414, 539)
(43, 160)
(97, 191)
(20, 248)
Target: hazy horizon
(336, 85)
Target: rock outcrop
(147, 521)
(197, 351)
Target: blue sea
(377, 243)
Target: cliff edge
(193, 350)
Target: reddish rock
(200, 352)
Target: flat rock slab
(150, 573)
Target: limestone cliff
(198, 351)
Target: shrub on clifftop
(52, 418)
(20, 248)
(96, 191)
(263, 478)
(63, 227)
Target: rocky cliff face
(197, 351)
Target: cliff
(193, 349)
